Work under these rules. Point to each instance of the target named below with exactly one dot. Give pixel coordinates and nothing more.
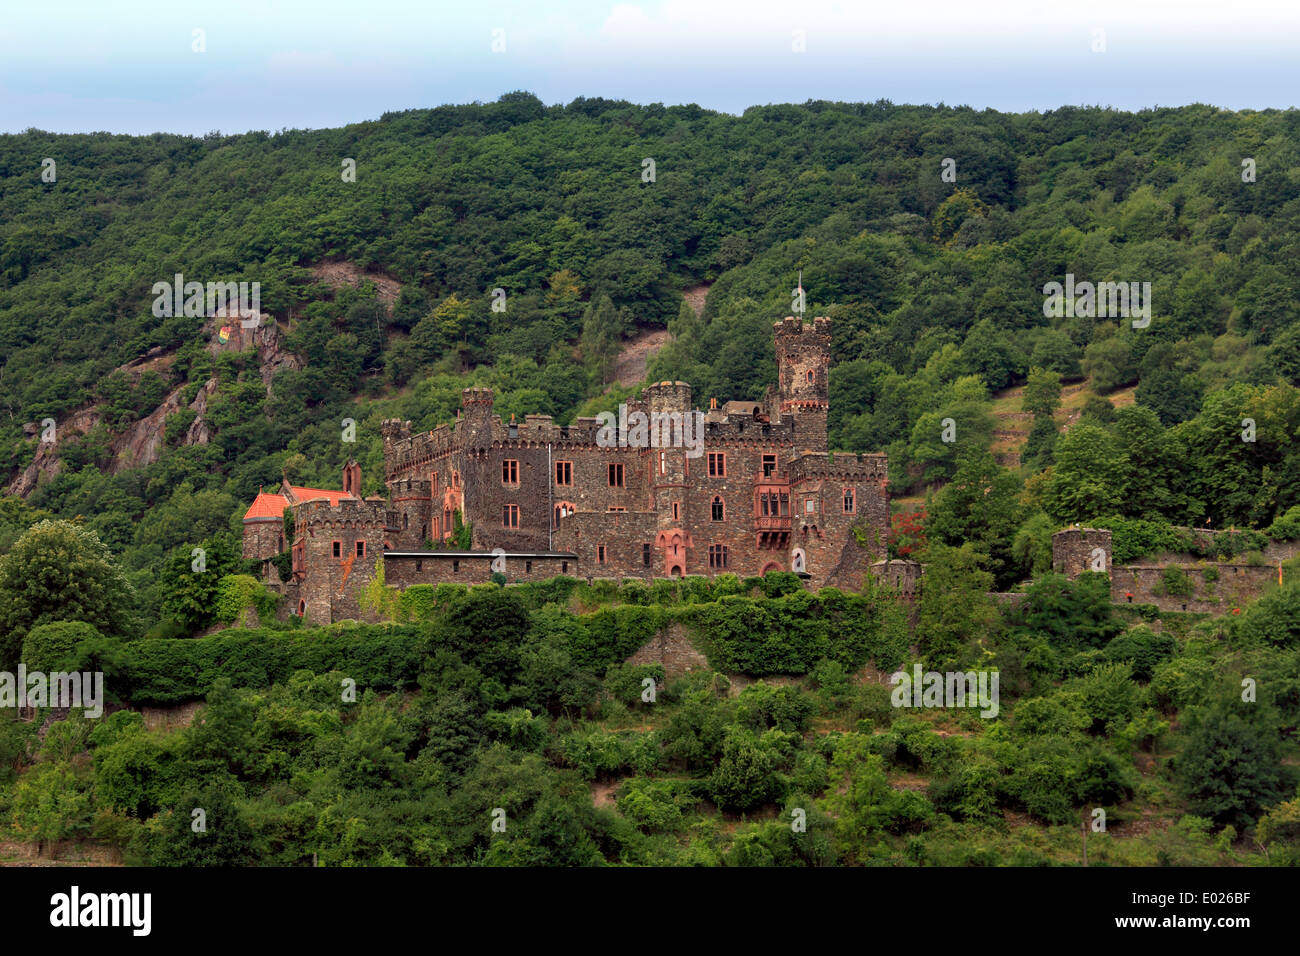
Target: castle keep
(758, 493)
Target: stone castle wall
(1179, 583)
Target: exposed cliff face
(266, 339)
(143, 441)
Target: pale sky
(131, 65)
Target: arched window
(719, 510)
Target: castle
(754, 491)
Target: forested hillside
(593, 218)
(936, 287)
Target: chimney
(352, 478)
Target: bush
(167, 671)
(762, 636)
(654, 805)
(762, 706)
(626, 682)
(1231, 769)
(1143, 649)
(746, 774)
(53, 647)
(1175, 582)
(237, 592)
(1286, 527)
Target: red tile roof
(312, 494)
(266, 505)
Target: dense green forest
(501, 726)
(936, 285)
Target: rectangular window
(510, 516)
(676, 510)
(616, 508)
(717, 464)
(785, 505)
(528, 567)
(849, 504)
(564, 567)
(645, 555)
(663, 463)
(361, 549)
(419, 565)
(809, 506)
(564, 472)
(717, 556)
(616, 476)
(769, 465)
(510, 472)
(600, 554)
(762, 505)
(338, 549)
(455, 567)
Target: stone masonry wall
(1235, 586)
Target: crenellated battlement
(810, 465)
(322, 510)
(794, 326)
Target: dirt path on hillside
(696, 295)
(630, 366)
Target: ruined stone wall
(672, 649)
(1215, 588)
(1076, 550)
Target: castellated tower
(337, 546)
(803, 358)
(668, 405)
(476, 418)
(1076, 550)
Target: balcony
(772, 523)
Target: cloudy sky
(136, 67)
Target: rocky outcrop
(142, 443)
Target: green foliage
(1230, 770)
(58, 571)
(191, 580)
(1174, 581)
(54, 646)
(761, 636)
(1070, 614)
(238, 592)
(1142, 649)
(1272, 620)
(1286, 527)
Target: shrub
(1175, 582)
(1142, 648)
(1286, 527)
(237, 592)
(746, 773)
(1231, 768)
(762, 706)
(654, 805)
(626, 682)
(167, 671)
(53, 647)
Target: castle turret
(803, 358)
